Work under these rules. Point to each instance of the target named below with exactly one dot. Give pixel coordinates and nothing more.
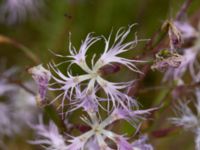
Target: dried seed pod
(166, 59)
(175, 38)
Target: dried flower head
(166, 59)
(190, 52)
(188, 62)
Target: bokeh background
(50, 31)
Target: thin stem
(183, 9)
(24, 49)
(164, 132)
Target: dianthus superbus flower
(81, 91)
(96, 136)
(99, 133)
(93, 74)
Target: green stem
(24, 49)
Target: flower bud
(41, 77)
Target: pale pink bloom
(92, 74)
(99, 133)
(51, 139)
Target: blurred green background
(58, 18)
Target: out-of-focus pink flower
(48, 136)
(5, 85)
(16, 11)
(24, 105)
(187, 31)
(188, 119)
(141, 144)
(166, 59)
(7, 127)
(16, 112)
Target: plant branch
(24, 49)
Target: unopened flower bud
(41, 77)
